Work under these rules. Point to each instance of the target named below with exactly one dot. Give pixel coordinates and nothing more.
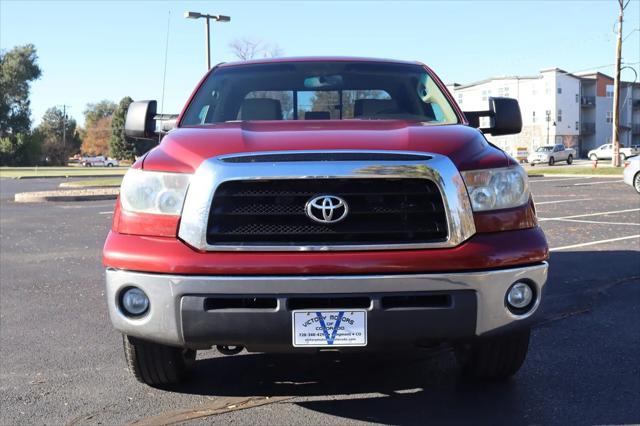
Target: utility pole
(64, 126)
(615, 140)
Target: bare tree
(248, 48)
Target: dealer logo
(327, 209)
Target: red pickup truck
(311, 204)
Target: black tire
(636, 182)
(109, 164)
(494, 358)
(155, 364)
(570, 159)
(552, 161)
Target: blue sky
(91, 50)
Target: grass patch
(97, 182)
(45, 172)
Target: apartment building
(559, 107)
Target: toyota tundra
(309, 204)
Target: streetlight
(548, 115)
(218, 18)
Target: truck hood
(184, 149)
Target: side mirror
(503, 115)
(140, 122)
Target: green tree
(120, 146)
(18, 68)
(59, 136)
(96, 112)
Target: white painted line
(109, 212)
(597, 183)
(591, 243)
(558, 180)
(597, 222)
(542, 219)
(563, 201)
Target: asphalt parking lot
(61, 362)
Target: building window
(486, 94)
(503, 91)
(577, 125)
(609, 116)
(577, 97)
(559, 90)
(559, 118)
(459, 98)
(609, 91)
(533, 117)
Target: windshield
(319, 91)
(545, 149)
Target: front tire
(494, 358)
(570, 159)
(636, 182)
(552, 161)
(155, 364)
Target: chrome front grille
(381, 211)
(256, 202)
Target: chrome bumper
(163, 322)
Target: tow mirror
(502, 118)
(140, 122)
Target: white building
(559, 107)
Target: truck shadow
(421, 386)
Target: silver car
(632, 172)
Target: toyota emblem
(327, 209)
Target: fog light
(134, 302)
(519, 296)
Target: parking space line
(591, 243)
(558, 180)
(597, 183)
(109, 212)
(597, 222)
(543, 219)
(563, 201)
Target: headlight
(153, 192)
(493, 189)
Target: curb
(76, 186)
(66, 176)
(67, 195)
(576, 176)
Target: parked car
(632, 172)
(99, 161)
(605, 152)
(551, 154)
(381, 219)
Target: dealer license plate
(321, 328)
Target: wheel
(593, 157)
(570, 159)
(636, 182)
(494, 358)
(155, 364)
(109, 164)
(552, 161)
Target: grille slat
(381, 211)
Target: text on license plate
(330, 328)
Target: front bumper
(180, 314)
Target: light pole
(548, 115)
(218, 18)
